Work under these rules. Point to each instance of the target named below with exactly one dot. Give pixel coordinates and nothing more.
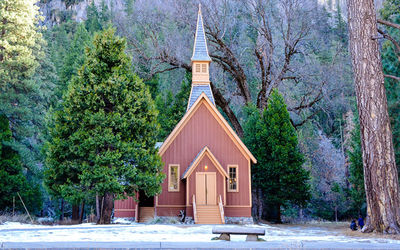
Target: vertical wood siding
(201, 130)
(125, 208)
(204, 130)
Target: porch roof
(204, 151)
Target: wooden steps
(208, 214)
(146, 214)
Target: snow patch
(18, 232)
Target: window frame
(197, 67)
(237, 178)
(177, 177)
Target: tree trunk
(224, 105)
(336, 212)
(75, 213)
(97, 208)
(62, 210)
(260, 204)
(82, 212)
(106, 209)
(380, 172)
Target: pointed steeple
(200, 51)
(200, 65)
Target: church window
(233, 178)
(197, 67)
(173, 178)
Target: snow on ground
(17, 232)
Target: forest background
(298, 47)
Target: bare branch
(392, 77)
(387, 23)
(224, 104)
(296, 125)
(394, 42)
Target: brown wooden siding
(204, 130)
(201, 130)
(125, 208)
(237, 211)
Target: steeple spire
(200, 51)
(200, 65)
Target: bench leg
(226, 237)
(252, 237)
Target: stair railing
(194, 210)
(221, 210)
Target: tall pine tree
(12, 179)
(103, 141)
(356, 171)
(278, 177)
(171, 108)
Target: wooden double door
(206, 188)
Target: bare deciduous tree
(254, 45)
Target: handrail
(221, 210)
(194, 210)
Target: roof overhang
(203, 99)
(204, 152)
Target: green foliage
(26, 79)
(68, 41)
(391, 66)
(19, 40)
(356, 171)
(103, 140)
(172, 108)
(12, 177)
(273, 140)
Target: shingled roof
(200, 51)
(196, 92)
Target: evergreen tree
(20, 44)
(13, 181)
(172, 109)
(75, 56)
(25, 88)
(391, 66)
(278, 176)
(103, 140)
(18, 40)
(356, 174)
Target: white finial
(199, 8)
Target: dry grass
(359, 234)
(68, 222)
(8, 217)
(339, 228)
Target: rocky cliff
(56, 11)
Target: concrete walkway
(198, 245)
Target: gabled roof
(203, 99)
(196, 91)
(200, 51)
(204, 152)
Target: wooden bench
(252, 233)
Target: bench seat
(252, 233)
